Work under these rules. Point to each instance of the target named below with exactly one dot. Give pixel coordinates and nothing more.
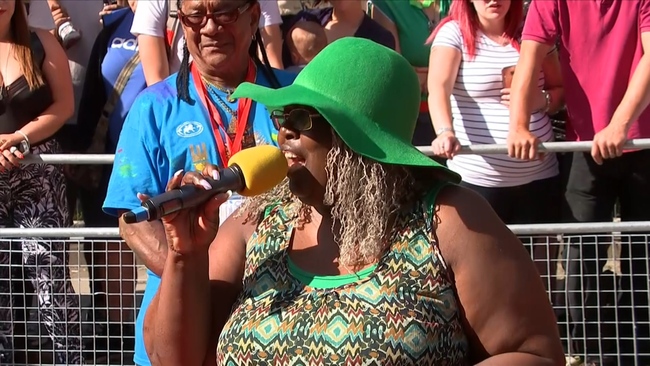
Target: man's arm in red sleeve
(539, 36)
(637, 95)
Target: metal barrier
(34, 346)
(556, 147)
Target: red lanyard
(229, 147)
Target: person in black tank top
(32, 66)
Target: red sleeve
(542, 22)
(644, 16)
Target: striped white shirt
(480, 118)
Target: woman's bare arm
(56, 71)
(227, 260)
(507, 315)
(445, 61)
(198, 292)
(154, 58)
(272, 39)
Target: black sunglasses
(220, 17)
(299, 119)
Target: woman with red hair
(473, 53)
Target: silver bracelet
(443, 130)
(27, 145)
(23, 134)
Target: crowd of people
(369, 246)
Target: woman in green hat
(369, 253)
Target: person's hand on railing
(190, 231)
(609, 142)
(445, 145)
(522, 145)
(10, 155)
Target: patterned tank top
(404, 313)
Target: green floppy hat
(368, 93)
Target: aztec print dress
(404, 313)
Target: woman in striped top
(472, 51)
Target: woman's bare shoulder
(240, 225)
(45, 36)
(463, 217)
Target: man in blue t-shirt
(164, 134)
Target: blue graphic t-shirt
(122, 45)
(163, 134)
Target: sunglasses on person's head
(219, 17)
(299, 119)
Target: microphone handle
(187, 196)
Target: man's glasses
(299, 119)
(220, 17)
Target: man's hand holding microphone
(189, 208)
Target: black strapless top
(18, 104)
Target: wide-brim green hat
(368, 93)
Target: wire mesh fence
(57, 313)
(98, 316)
(598, 285)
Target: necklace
(228, 92)
(221, 102)
(432, 13)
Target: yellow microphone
(250, 172)
(262, 168)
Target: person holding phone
(468, 98)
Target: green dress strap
(431, 197)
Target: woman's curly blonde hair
(365, 198)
